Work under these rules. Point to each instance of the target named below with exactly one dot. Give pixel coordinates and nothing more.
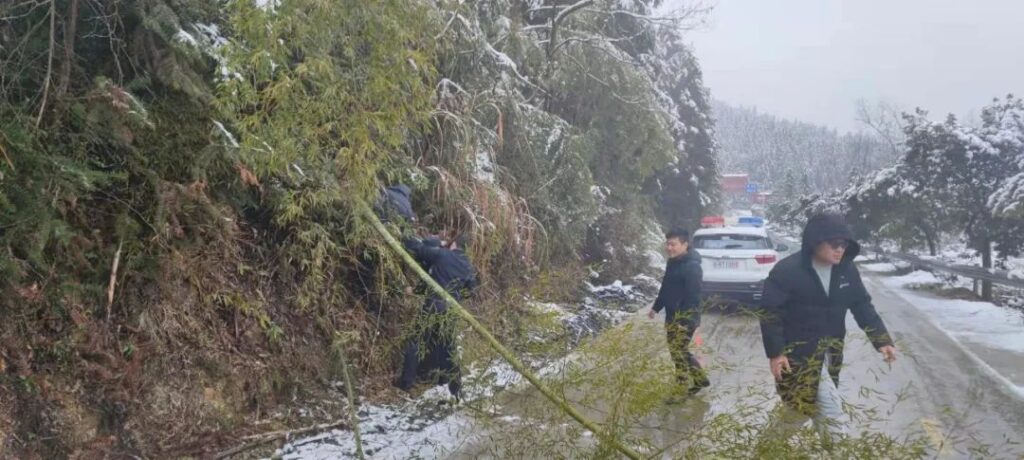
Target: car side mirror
(781, 248)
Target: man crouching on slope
(805, 300)
(680, 298)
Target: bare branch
(553, 36)
(70, 30)
(884, 120)
(685, 17)
(49, 63)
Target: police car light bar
(712, 221)
(751, 221)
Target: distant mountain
(793, 157)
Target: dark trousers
(688, 369)
(430, 356)
(799, 387)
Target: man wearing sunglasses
(804, 305)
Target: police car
(736, 259)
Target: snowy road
(936, 389)
(961, 395)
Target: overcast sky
(812, 59)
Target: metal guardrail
(977, 273)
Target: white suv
(736, 260)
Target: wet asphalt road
(935, 389)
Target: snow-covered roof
(756, 231)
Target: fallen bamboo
(505, 353)
(257, 440)
(352, 406)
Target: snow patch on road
(968, 322)
(983, 323)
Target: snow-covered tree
(951, 179)
(1003, 125)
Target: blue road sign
(751, 188)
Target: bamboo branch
(605, 437)
(4, 152)
(113, 279)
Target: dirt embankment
(209, 352)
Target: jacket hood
(824, 227)
(401, 189)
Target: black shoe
(698, 385)
(404, 386)
(455, 388)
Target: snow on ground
(957, 253)
(878, 267)
(978, 326)
(552, 308)
(429, 426)
(425, 427)
(378, 425)
(917, 277)
(617, 288)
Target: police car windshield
(725, 241)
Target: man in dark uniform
(431, 353)
(679, 297)
(804, 305)
(393, 207)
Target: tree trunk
(929, 237)
(70, 30)
(986, 262)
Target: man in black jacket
(679, 297)
(395, 204)
(451, 268)
(805, 300)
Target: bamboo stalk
(505, 353)
(113, 279)
(353, 418)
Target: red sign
(735, 183)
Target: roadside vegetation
(183, 264)
(178, 182)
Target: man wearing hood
(805, 300)
(431, 354)
(679, 297)
(395, 203)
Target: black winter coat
(450, 268)
(679, 295)
(434, 353)
(395, 202)
(800, 320)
